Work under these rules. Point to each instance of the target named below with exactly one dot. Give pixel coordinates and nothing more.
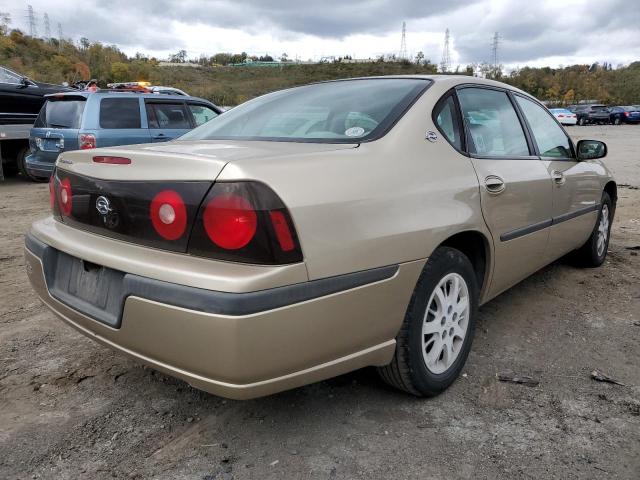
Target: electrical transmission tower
(403, 43)
(47, 27)
(59, 37)
(445, 64)
(31, 17)
(495, 44)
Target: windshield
(61, 114)
(349, 111)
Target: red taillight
(112, 160)
(573, 116)
(283, 233)
(65, 196)
(86, 141)
(52, 193)
(626, 114)
(230, 221)
(169, 214)
(561, 116)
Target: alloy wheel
(603, 230)
(445, 323)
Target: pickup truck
(20, 101)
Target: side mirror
(24, 82)
(591, 149)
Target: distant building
(177, 64)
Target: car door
(515, 187)
(20, 99)
(575, 184)
(167, 119)
(120, 122)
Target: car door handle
(558, 177)
(162, 136)
(494, 184)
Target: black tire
(616, 121)
(587, 256)
(22, 166)
(581, 121)
(408, 370)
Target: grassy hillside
(55, 62)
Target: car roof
(112, 93)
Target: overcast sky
(532, 32)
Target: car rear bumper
(40, 164)
(238, 353)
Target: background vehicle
(564, 116)
(168, 91)
(626, 114)
(316, 230)
(20, 101)
(83, 120)
(591, 114)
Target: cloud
(531, 32)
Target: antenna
(59, 37)
(33, 31)
(494, 51)
(445, 64)
(403, 42)
(47, 27)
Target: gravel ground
(72, 409)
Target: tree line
(58, 61)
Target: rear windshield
(61, 113)
(348, 111)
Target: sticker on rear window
(354, 132)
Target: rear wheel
(616, 121)
(581, 121)
(594, 251)
(22, 166)
(436, 335)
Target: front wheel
(594, 251)
(616, 121)
(436, 335)
(581, 121)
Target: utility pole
(403, 42)
(445, 64)
(31, 17)
(47, 27)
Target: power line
(403, 43)
(445, 64)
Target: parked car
(83, 120)
(564, 116)
(591, 114)
(20, 101)
(320, 229)
(627, 114)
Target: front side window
(550, 138)
(347, 111)
(167, 115)
(119, 113)
(445, 118)
(7, 76)
(492, 123)
(202, 114)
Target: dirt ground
(70, 409)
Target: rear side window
(167, 115)
(493, 125)
(201, 114)
(446, 119)
(550, 138)
(60, 114)
(119, 113)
